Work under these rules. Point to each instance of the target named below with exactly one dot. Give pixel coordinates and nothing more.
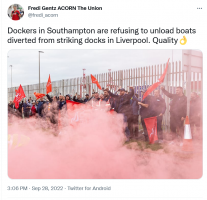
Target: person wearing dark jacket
(178, 111)
(195, 113)
(77, 98)
(61, 102)
(67, 97)
(20, 108)
(123, 105)
(26, 109)
(158, 109)
(87, 98)
(134, 117)
(109, 99)
(145, 112)
(40, 107)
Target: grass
(154, 147)
(142, 145)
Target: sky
(65, 64)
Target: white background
(135, 14)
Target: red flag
(151, 125)
(15, 91)
(19, 96)
(49, 85)
(155, 85)
(70, 104)
(94, 80)
(38, 95)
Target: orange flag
(38, 95)
(49, 86)
(19, 96)
(93, 79)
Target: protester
(123, 105)
(77, 98)
(109, 99)
(33, 109)
(158, 109)
(20, 107)
(96, 96)
(145, 112)
(195, 113)
(67, 97)
(12, 109)
(87, 98)
(62, 101)
(106, 95)
(134, 117)
(11, 106)
(40, 107)
(178, 111)
(29, 103)
(95, 100)
(26, 109)
(101, 97)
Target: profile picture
(15, 12)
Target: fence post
(63, 88)
(120, 82)
(188, 82)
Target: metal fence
(140, 78)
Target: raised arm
(111, 94)
(49, 98)
(131, 94)
(167, 93)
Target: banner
(94, 80)
(38, 95)
(19, 96)
(49, 85)
(70, 104)
(155, 85)
(151, 125)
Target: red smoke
(92, 148)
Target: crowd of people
(129, 104)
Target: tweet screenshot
(103, 100)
